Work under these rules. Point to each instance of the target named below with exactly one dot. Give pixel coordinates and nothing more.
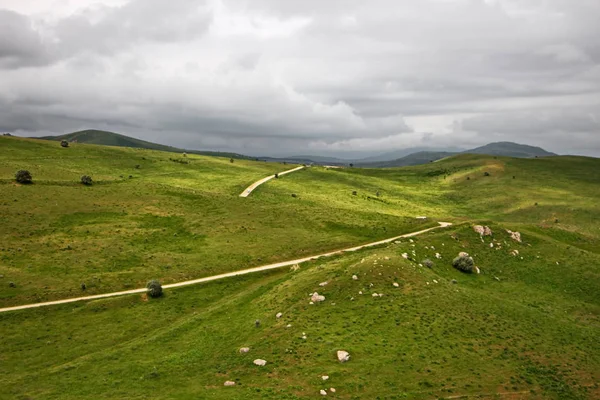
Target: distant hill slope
(510, 149)
(92, 136)
(505, 149)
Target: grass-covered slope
(155, 215)
(526, 327)
(105, 138)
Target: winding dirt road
(256, 184)
(226, 275)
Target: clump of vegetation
(154, 288)
(12, 284)
(486, 173)
(137, 166)
(463, 263)
(468, 178)
(428, 263)
(294, 195)
(231, 160)
(276, 175)
(23, 176)
(354, 193)
(64, 143)
(185, 154)
(86, 180)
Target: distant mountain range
(397, 158)
(505, 149)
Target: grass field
(525, 328)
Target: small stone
(244, 350)
(396, 284)
(477, 270)
(323, 392)
(375, 295)
(323, 284)
(405, 256)
(288, 326)
(259, 362)
(229, 383)
(332, 390)
(343, 356)
(434, 281)
(360, 292)
(463, 254)
(278, 315)
(316, 297)
(354, 277)
(325, 377)
(454, 281)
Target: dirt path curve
(226, 275)
(256, 184)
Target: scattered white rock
(295, 267)
(514, 253)
(405, 256)
(325, 377)
(316, 297)
(478, 229)
(360, 292)
(332, 390)
(492, 245)
(354, 277)
(323, 284)
(278, 315)
(323, 392)
(375, 295)
(343, 356)
(387, 258)
(477, 270)
(514, 235)
(244, 350)
(421, 217)
(396, 284)
(434, 281)
(311, 303)
(229, 383)
(487, 231)
(438, 255)
(304, 337)
(410, 240)
(463, 254)
(259, 362)
(288, 326)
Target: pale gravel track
(221, 276)
(256, 184)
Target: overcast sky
(306, 76)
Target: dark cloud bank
(338, 77)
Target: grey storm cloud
(283, 77)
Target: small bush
(231, 160)
(486, 174)
(428, 263)
(463, 263)
(294, 195)
(468, 178)
(86, 180)
(23, 176)
(64, 143)
(276, 175)
(154, 288)
(354, 193)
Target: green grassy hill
(525, 328)
(93, 136)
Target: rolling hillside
(525, 327)
(91, 136)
